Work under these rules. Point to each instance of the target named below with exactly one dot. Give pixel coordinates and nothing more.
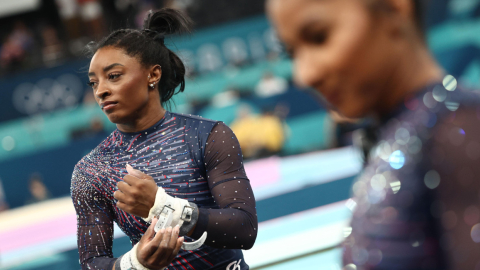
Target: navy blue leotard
(418, 198)
(191, 158)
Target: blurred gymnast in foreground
(417, 199)
(158, 172)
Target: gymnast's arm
(234, 225)
(433, 219)
(94, 223)
(455, 159)
(95, 232)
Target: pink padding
(33, 232)
(263, 172)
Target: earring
(152, 85)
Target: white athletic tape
(160, 199)
(130, 261)
(126, 263)
(135, 263)
(165, 220)
(172, 211)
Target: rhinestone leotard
(417, 202)
(191, 158)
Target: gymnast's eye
(92, 84)
(318, 36)
(114, 76)
(315, 32)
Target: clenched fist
(136, 193)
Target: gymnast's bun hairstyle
(148, 46)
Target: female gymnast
(159, 171)
(416, 203)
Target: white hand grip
(195, 244)
(164, 219)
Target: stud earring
(152, 85)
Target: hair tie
(159, 37)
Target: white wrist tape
(130, 261)
(135, 263)
(172, 211)
(160, 199)
(166, 206)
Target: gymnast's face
(340, 48)
(120, 85)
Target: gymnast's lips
(108, 105)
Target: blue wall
(55, 166)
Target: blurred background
(301, 164)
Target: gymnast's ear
(155, 74)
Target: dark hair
(420, 8)
(148, 47)
(420, 12)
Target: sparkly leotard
(191, 158)
(417, 202)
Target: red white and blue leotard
(191, 158)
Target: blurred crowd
(50, 38)
(37, 192)
(59, 30)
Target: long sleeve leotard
(191, 158)
(418, 198)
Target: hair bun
(158, 37)
(167, 21)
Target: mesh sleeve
(429, 217)
(455, 158)
(94, 223)
(234, 224)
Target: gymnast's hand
(136, 193)
(157, 251)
